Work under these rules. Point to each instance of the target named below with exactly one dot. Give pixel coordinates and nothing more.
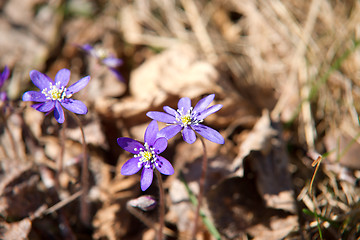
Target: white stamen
(56, 92)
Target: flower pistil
(56, 92)
(147, 156)
(187, 119)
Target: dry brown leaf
(19, 193)
(257, 140)
(176, 71)
(265, 152)
(344, 145)
(38, 33)
(93, 131)
(17, 230)
(278, 228)
(105, 223)
(238, 210)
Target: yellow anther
(186, 119)
(55, 93)
(147, 155)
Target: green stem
(201, 188)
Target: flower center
(101, 53)
(147, 156)
(186, 119)
(55, 92)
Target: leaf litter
(286, 73)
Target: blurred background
(287, 73)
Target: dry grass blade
(317, 164)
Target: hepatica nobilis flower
(106, 58)
(3, 77)
(54, 95)
(188, 120)
(146, 156)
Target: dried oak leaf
(264, 151)
(16, 230)
(19, 193)
(105, 223)
(36, 23)
(238, 210)
(176, 71)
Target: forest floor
(286, 72)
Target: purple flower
(55, 95)
(146, 155)
(105, 58)
(187, 120)
(3, 77)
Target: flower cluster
(146, 156)
(186, 120)
(105, 58)
(54, 95)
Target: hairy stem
(161, 205)
(201, 188)
(60, 160)
(84, 204)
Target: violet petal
(146, 178)
(62, 77)
(150, 133)
(129, 145)
(75, 106)
(87, 47)
(160, 145)
(59, 113)
(189, 135)
(131, 166)
(207, 112)
(161, 117)
(45, 107)
(4, 75)
(169, 131)
(164, 166)
(40, 80)
(209, 133)
(117, 74)
(170, 111)
(74, 88)
(184, 105)
(203, 103)
(34, 96)
(112, 62)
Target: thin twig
(201, 188)
(62, 203)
